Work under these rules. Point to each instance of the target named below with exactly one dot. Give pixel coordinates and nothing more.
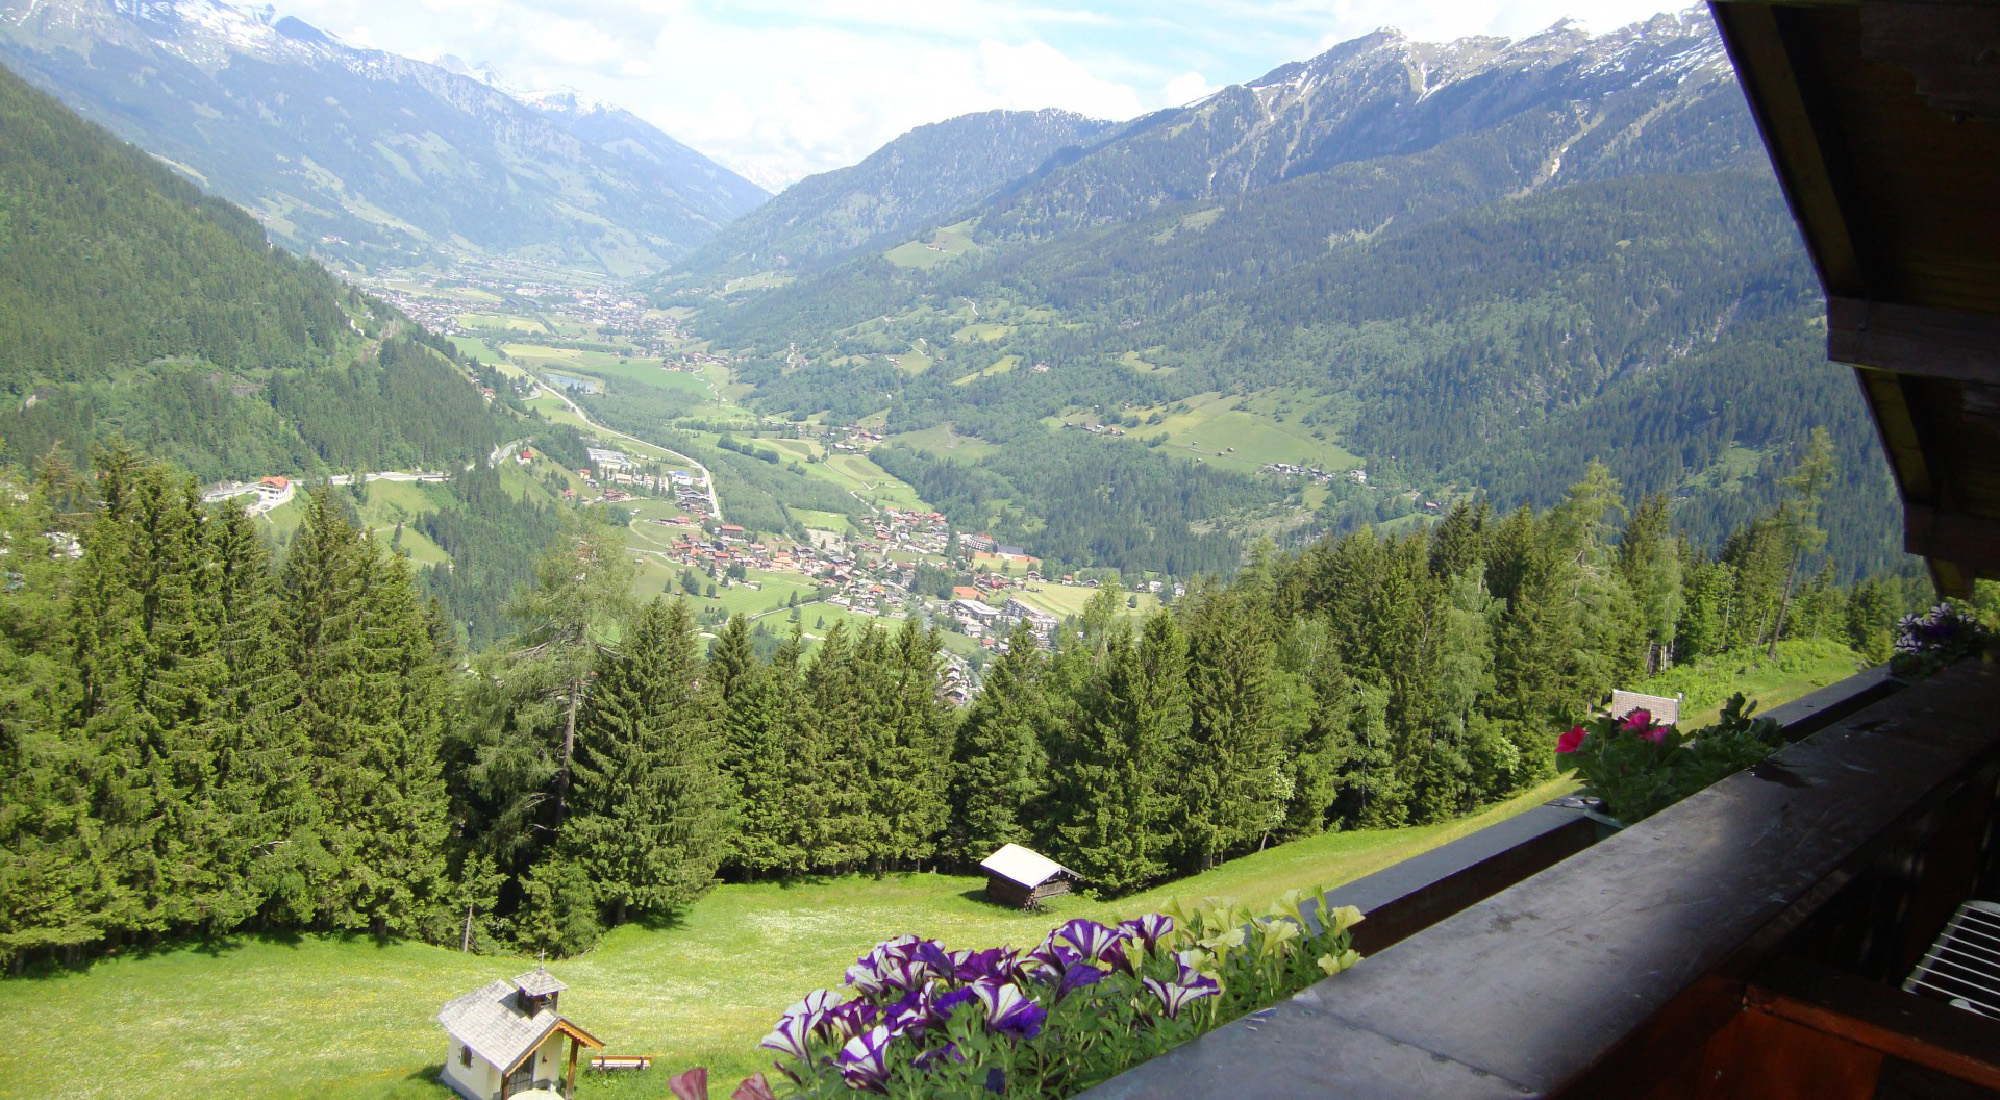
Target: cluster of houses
(850, 437)
(619, 477)
(1099, 429)
(976, 618)
(267, 492)
(1357, 475)
(614, 316)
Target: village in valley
(889, 557)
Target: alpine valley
(442, 524)
(1355, 289)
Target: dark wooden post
(574, 1043)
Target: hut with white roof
(506, 1040)
(1024, 879)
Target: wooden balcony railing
(1748, 942)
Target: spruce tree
(647, 812)
(999, 768)
(912, 751)
(372, 705)
(1230, 767)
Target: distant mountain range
(367, 156)
(926, 174)
(1471, 266)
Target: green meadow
(346, 1018)
(1241, 433)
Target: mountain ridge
(364, 155)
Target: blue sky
(778, 89)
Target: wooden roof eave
(1918, 326)
(562, 1025)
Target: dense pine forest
(198, 738)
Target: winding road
(714, 501)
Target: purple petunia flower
(864, 1061)
(1149, 930)
(1090, 938)
(848, 1020)
(1008, 1010)
(1076, 977)
(941, 1007)
(929, 1058)
(791, 1035)
(910, 1016)
(1175, 996)
(1048, 961)
(898, 966)
(996, 963)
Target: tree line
(197, 739)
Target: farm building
(1023, 879)
(506, 1039)
(1665, 710)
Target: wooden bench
(608, 1062)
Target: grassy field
(502, 321)
(1064, 600)
(945, 442)
(943, 246)
(824, 521)
(855, 473)
(1800, 668)
(346, 1019)
(389, 503)
(1244, 434)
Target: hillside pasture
(1242, 434)
(1066, 600)
(1000, 366)
(945, 442)
(941, 247)
(348, 1018)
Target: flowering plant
(1089, 1001)
(1928, 642)
(1637, 767)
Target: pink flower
(1571, 741)
(1655, 734)
(691, 1085)
(1638, 721)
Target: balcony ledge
(1626, 956)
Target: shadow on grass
(419, 1083)
(215, 946)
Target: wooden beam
(1913, 340)
(1781, 104)
(1958, 547)
(1951, 47)
(1902, 1025)
(574, 1043)
(1959, 537)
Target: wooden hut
(506, 1038)
(1666, 711)
(1023, 879)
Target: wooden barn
(1023, 879)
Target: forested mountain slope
(366, 155)
(927, 174)
(1469, 268)
(131, 303)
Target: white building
(506, 1039)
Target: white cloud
(1188, 87)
